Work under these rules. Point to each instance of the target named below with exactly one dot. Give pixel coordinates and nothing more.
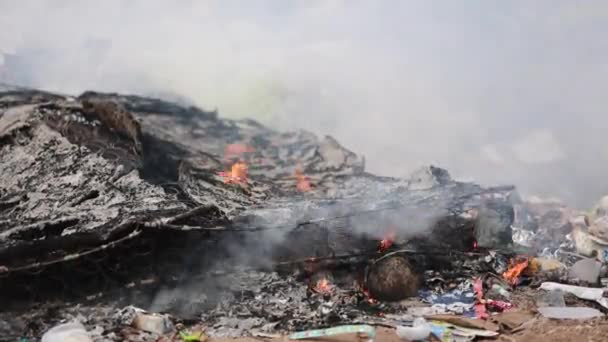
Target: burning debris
(304, 184)
(387, 240)
(237, 174)
(516, 267)
(229, 229)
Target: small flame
(368, 296)
(323, 286)
(475, 244)
(237, 174)
(388, 239)
(303, 181)
(515, 269)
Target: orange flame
(303, 181)
(388, 239)
(323, 286)
(515, 269)
(237, 174)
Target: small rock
(67, 332)
(587, 270)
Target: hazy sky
(496, 91)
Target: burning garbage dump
(142, 220)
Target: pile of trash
(125, 218)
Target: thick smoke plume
(501, 92)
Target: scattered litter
(72, 332)
(157, 324)
(459, 301)
(444, 333)
(589, 245)
(345, 329)
(498, 305)
(588, 293)
(523, 237)
(464, 322)
(486, 251)
(142, 320)
(569, 312)
(500, 290)
(451, 332)
(187, 336)
(419, 331)
(435, 309)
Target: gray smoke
(500, 92)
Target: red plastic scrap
(480, 306)
(499, 305)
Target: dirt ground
(542, 329)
